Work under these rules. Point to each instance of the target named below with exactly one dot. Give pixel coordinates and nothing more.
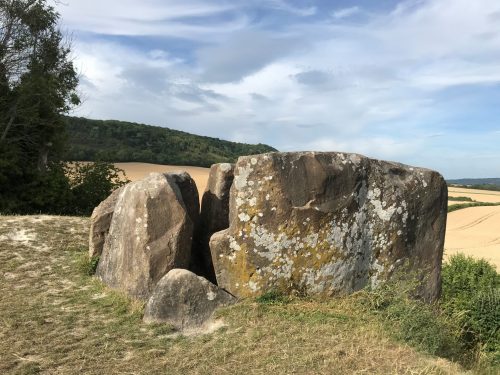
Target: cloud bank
(412, 81)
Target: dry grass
(56, 320)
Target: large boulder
(329, 223)
(214, 217)
(151, 233)
(100, 222)
(185, 300)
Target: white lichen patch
(239, 201)
(244, 217)
(233, 245)
(384, 213)
(225, 167)
(211, 295)
(241, 179)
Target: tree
(37, 78)
(37, 86)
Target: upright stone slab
(100, 222)
(150, 233)
(329, 223)
(214, 217)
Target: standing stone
(329, 223)
(185, 300)
(100, 222)
(151, 233)
(214, 217)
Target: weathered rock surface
(151, 233)
(100, 222)
(214, 217)
(185, 300)
(329, 223)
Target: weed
(273, 298)
(87, 265)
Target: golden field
(473, 231)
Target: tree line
(119, 141)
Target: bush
(420, 324)
(91, 183)
(471, 295)
(61, 189)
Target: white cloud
(374, 87)
(346, 12)
(149, 17)
(301, 11)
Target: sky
(414, 81)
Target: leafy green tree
(37, 85)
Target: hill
(477, 183)
(119, 141)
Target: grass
(456, 207)
(461, 199)
(56, 319)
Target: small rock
(185, 300)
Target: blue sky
(414, 81)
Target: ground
(55, 319)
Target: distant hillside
(120, 141)
(475, 181)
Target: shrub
(420, 324)
(471, 295)
(91, 183)
(61, 189)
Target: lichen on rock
(328, 223)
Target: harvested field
(474, 231)
(137, 171)
(477, 195)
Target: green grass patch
(461, 199)
(272, 298)
(455, 207)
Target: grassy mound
(55, 318)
